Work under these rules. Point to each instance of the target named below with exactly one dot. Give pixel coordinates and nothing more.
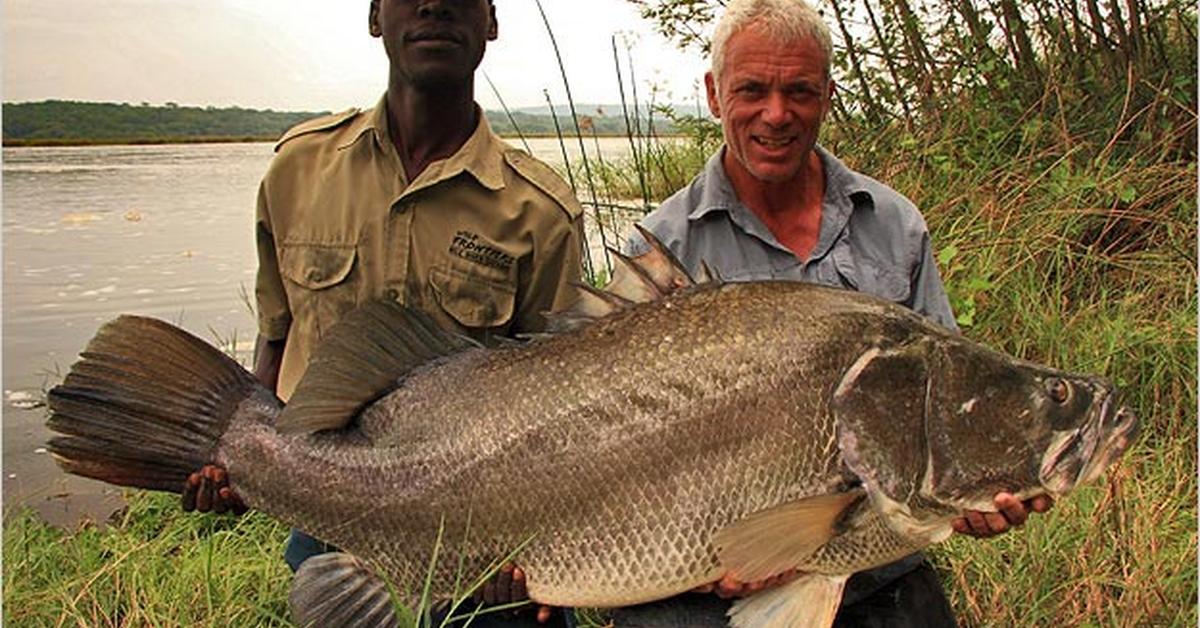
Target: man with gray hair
(772, 204)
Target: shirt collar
(482, 155)
(845, 191)
(842, 179)
(717, 193)
(376, 120)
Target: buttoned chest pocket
(867, 275)
(321, 287)
(473, 300)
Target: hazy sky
(309, 54)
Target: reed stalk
(507, 113)
(578, 136)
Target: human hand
(1010, 513)
(729, 587)
(207, 490)
(508, 586)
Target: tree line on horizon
(67, 122)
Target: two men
(415, 200)
(773, 204)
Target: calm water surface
(93, 232)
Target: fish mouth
(1081, 455)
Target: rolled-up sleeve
(274, 316)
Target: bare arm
(268, 355)
(207, 489)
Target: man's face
(434, 42)
(771, 101)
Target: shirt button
(392, 293)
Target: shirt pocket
(321, 284)
(865, 274)
(471, 299)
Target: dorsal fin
(647, 277)
(361, 359)
(661, 265)
(630, 281)
(612, 300)
(593, 303)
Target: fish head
(996, 423)
(942, 424)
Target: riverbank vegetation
(1052, 149)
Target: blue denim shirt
(872, 239)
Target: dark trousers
(301, 547)
(914, 599)
(525, 618)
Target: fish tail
(146, 405)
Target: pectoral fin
(337, 589)
(808, 602)
(781, 538)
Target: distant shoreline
(133, 141)
(68, 123)
(147, 141)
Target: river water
(93, 232)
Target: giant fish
(668, 434)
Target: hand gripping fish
(668, 434)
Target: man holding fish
(416, 201)
(773, 204)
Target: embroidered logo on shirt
(473, 248)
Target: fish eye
(1058, 389)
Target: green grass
(151, 565)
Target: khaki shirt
(485, 241)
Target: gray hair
(787, 21)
